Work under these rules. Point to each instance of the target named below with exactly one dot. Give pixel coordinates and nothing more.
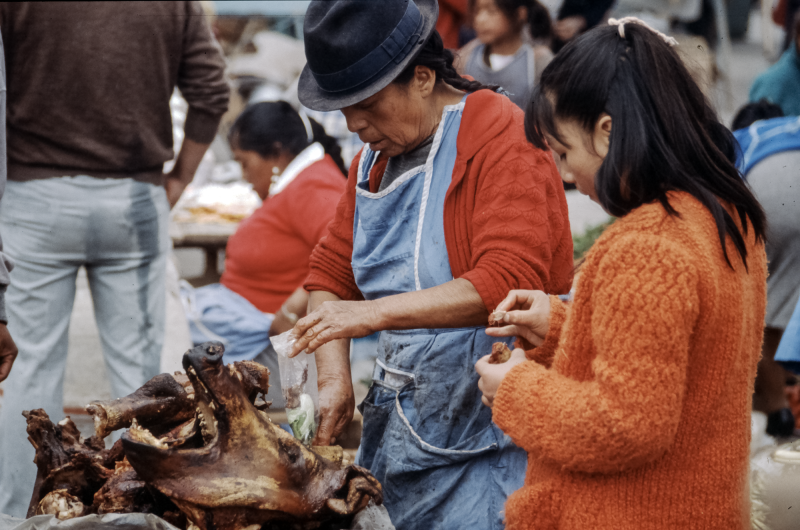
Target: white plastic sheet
(370, 518)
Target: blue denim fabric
(427, 437)
(118, 230)
(217, 313)
(788, 353)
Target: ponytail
(439, 59)
(272, 127)
(329, 143)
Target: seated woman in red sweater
(297, 171)
(633, 401)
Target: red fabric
(505, 214)
(452, 14)
(267, 258)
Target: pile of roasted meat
(199, 452)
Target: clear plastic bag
(299, 387)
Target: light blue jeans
(118, 230)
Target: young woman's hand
(492, 374)
(527, 317)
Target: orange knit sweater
(636, 413)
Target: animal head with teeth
(233, 468)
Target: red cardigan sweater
(267, 258)
(505, 214)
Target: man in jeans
(89, 130)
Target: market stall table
(211, 237)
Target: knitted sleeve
(516, 220)
(644, 305)
(330, 264)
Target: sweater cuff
(483, 284)
(545, 353)
(318, 282)
(200, 126)
(511, 398)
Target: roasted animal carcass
(500, 353)
(199, 447)
(243, 469)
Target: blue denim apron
(427, 437)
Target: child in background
(503, 54)
(633, 400)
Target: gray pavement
(86, 378)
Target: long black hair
(270, 127)
(664, 136)
(439, 59)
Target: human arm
(336, 399)
(330, 266)
(202, 83)
(293, 308)
(452, 304)
(519, 226)
(8, 352)
(181, 175)
(627, 412)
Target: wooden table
(210, 237)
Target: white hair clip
(620, 23)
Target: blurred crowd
(117, 114)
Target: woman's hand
(336, 406)
(8, 352)
(527, 317)
(334, 320)
(493, 374)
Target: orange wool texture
(635, 412)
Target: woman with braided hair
(447, 209)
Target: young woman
(503, 54)
(296, 169)
(633, 401)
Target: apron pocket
(426, 454)
(375, 409)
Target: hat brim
(315, 98)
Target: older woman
(447, 208)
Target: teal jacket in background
(781, 83)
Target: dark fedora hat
(355, 48)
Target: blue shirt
(781, 83)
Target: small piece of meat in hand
(500, 353)
(496, 319)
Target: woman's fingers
(516, 300)
(505, 331)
